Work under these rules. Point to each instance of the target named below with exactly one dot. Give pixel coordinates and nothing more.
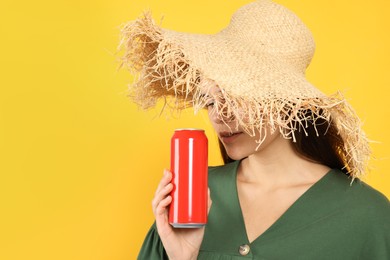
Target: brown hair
(318, 142)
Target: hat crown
(272, 28)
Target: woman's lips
(229, 137)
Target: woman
(291, 187)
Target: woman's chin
(236, 156)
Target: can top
(189, 129)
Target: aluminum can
(189, 166)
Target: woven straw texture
(258, 62)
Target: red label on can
(189, 154)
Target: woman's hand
(179, 243)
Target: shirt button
(244, 249)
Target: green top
(331, 220)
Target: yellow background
(79, 163)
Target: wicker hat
(258, 61)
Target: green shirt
(333, 219)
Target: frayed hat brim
(256, 91)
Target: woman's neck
(278, 165)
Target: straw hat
(258, 61)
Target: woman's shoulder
(360, 196)
(226, 171)
(370, 209)
(369, 193)
(375, 202)
(363, 192)
(229, 167)
(222, 175)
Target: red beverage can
(189, 154)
